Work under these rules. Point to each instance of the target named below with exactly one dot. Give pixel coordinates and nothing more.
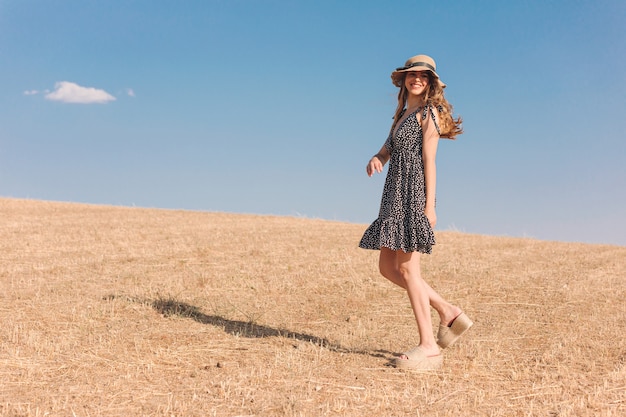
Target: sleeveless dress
(401, 223)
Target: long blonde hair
(448, 125)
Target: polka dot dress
(401, 223)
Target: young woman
(404, 227)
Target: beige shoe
(447, 336)
(418, 361)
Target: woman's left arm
(429, 154)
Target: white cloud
(30, 92)
(68, 92)
(130, 92)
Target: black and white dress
(401, 223)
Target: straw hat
(416, 63)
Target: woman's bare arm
(378, 161)
(429, 155)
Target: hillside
(113, 311)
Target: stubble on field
(126, 311)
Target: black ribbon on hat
(417, 64)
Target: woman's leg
(409, 269)
(389, 268)
(447, 312)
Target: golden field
(113, 311)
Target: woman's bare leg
(389, 268)
(447, 312)
(409, 269)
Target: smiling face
(416, 82)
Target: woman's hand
(431, 215)
(374, 165)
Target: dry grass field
(112, 311)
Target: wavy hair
(449, 126)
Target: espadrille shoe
(418, 361)
(448, 335)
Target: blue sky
(275, 106)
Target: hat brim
(396, 76)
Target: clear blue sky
(275, 106)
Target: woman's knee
(409, 271)
(405, 272)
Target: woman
(404, 227)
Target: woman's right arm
(378, 161)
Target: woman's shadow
(170, 307)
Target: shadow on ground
(170, 307)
